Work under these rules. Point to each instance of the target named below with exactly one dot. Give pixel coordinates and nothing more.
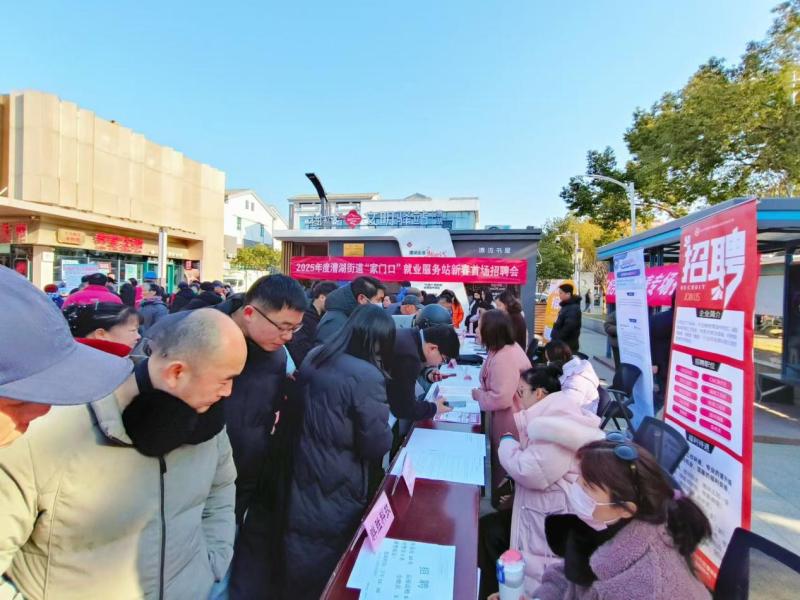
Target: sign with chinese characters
(70, 236)
(633, 328)
(378, 521)
(711, 387)
(661, 285)
(353, 249)
(13, 233)
(494, 250)
(390, 268)
(110, 242)
(389, 219)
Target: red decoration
(353, 219)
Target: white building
(417, 210)
(249, 221)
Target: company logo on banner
(390, 268)
(711, 380)
(661, 285)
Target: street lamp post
(628, 187)
(576, 259)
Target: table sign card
(378, 521)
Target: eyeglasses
(626, 451)
(281, 328)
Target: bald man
(134, 497)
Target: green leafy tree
(730, 131)
(556, 255)
(260, 257)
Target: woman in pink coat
(551, 428)
(499, 377)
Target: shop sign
(494, 250)
(400, 218)
(433, 269)
(711, 388)
(13, 233)
(661, 285)
(70, 236)
(353, 249)
(110, 242)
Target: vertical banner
(711, 386)
(633, 327)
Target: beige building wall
(68, 167)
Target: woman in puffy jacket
(578, 373)
(551, 428)
(345, 434)
(630, 535)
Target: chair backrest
(665, 443)
(626, 377)
(754, 567)
(604, 400)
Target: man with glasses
(269, 314)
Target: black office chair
(754, 567)
(665, 443)
(619, 397)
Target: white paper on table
(448, 455)
(403, 568)
(455, 442)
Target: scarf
(158, 422)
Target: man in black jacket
(269, 314)
(303, 341)
(205, 298)
(413, 350)
(342, 302)
(567, 327)
(182, 297)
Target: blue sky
(495, 99)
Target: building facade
(417, 210)
(250, 221)
(81, 192)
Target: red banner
(118, 243)
(661, 285)
(711, 388)
(428, 269)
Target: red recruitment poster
(399, 268)
(661, 285)
(711, 390)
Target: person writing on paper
(578, 373)
(345, 433)
(630, 535)
(499, 376)
(551, 427)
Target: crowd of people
(212, 444)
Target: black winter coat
(345, 430)
(181, 299)
(567, 327)
(303, 341)
(661, 340)
(203, 300)
(339, 305)
(406, 367)
(250, 412)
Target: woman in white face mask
(631, 536)
(551, 426)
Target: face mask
(158, 422)
(584, 506)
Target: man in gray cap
(409, 308)
(40, 363)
